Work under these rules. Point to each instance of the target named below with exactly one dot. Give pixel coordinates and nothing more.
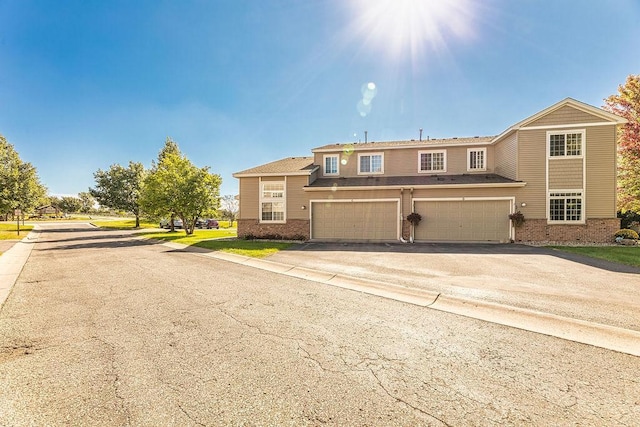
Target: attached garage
(463, 220)
(355, 220)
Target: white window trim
(381, 154)
(484, 159)
(565, 133)
(324, 164)
(583, 209)
(282, 200)
(444, 153)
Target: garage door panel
(468, 220)
(355, 220)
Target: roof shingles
(286, 166)
(392, 181)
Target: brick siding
(295, 229)
(594, 231)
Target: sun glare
(401, 28)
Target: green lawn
(8, 231)
(221, 240)
(629, 255)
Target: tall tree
(87, 201)
(626, 103)
(119, 188)
(176, 187)
(69, 204)
(229, 205)
(20, 186)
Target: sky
(238, 83)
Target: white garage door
(354, 220)
(463, 220)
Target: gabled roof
(287, 166)
(589, 109)
(425, 143)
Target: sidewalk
(15, 254)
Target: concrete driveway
(522, 276)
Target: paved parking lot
(523, 276)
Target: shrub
(628, 218)
(626, 233)
(414, 218)
(517, 217)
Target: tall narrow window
(432, 161)
(272, 206)
(477, 159)
(370, 164)
(331, 165)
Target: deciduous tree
(87, 202)
(229, 207)
(626, 103)
(69, 204)
(120, 188)
(176, 187)
(20, 186)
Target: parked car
(211, 223)
(166, 223)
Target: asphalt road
(103, 329)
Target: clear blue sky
(237, 83)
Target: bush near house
(627, 233)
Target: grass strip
(222, 240)
(628, 255)
(8, 231)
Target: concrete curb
(12, 262)
(591, 333)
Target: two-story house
(557, 167)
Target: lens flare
(401, 28)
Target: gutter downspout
(402, 239)
(411, 204)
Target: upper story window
(272, 205)
(432, 161)
(565, 144)
(331, 165)
(565, 206)
(370, 163)
(476, 159)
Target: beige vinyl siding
(505, 153)
(564, 116)
(249, 198)
(532, 160)
(357, 194)
(601, 176)
(313, 176)
(296, 198)
(405, 162)
(435, 193)
(566, 173)
(272, 178)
